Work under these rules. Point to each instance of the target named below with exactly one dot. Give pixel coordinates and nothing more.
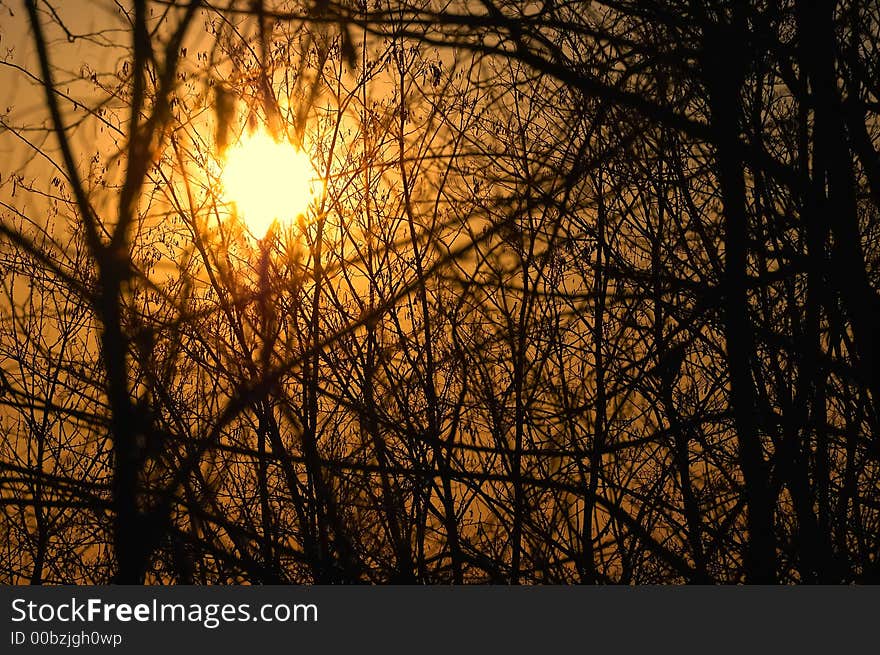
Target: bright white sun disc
(267, 180)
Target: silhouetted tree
(588, 293)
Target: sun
(267, 180)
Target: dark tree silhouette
(587, 294)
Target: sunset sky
(439, 293)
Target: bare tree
(586, 293)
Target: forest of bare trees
(588, 293)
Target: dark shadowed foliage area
(583, 292)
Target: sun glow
(268, 181)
